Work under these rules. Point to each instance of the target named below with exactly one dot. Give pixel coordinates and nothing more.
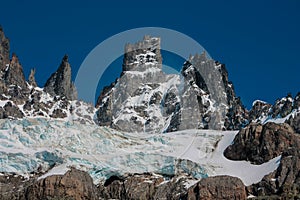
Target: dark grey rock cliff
(14, 75)
(4, 50)
(11, 71)
(60, 84)
(210, 96)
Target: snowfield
(37, 144)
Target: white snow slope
(29, 144)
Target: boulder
(219, 187)
(75, 184)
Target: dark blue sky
(258, 41)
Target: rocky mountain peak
(202, 57)
(11, 70)
(145, 99)
(209, 96)
(141, 54)
(60, 84)
(4, 50)
(31, 78)
(13, 73)
(259, 109)
(134, 102)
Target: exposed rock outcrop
(219, 187)
(283, 107)
(4, 50)
(260, 109)
(294, 121)
(146, 186)
(286, 110)
(260, 143)
(13, 85)
(10, 111)
(60, 84)
(237, 114)
(31, 78)
(136, 186)
(149, 186)
(75, 184)
(284, 182)
(14, 74)
(13, 187)
(139, 53)
(209, 98)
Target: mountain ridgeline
(47, 134)
(143, 98)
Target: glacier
(53, 146)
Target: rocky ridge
(146, 99)
(20, 98)
(284, 110)
(76, 184)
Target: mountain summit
(144, 98)
(60, 82)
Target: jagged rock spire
(13, 73)
(31, 79)
(4, 50)
(60, 82)
(11, 70)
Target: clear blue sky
(259, 41)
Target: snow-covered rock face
(138, 56)
(285, 110)
(22, 99)
(37, 103)
(137, 102)
(145, 99)
(204, 100)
